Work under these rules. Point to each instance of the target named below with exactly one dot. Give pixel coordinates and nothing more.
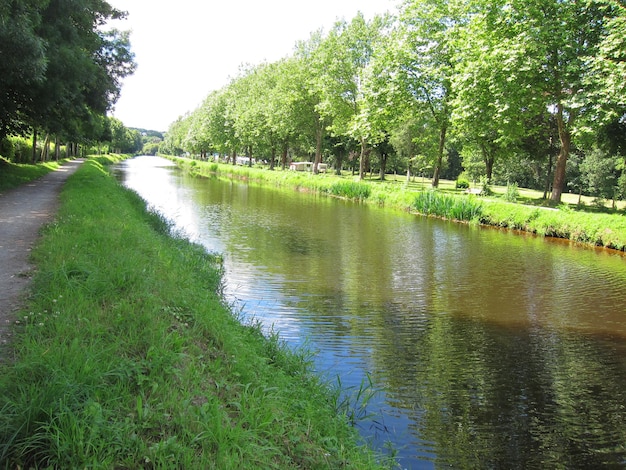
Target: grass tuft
(350, 190)
(448, 206)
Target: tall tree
(86, 63)
(22, 62)
(63, 65)
(490, 109)
(311, 65)
(608, 66)
(556, 40)
(422, 65)
(345, 55)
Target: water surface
(493, 349)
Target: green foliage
(477, 79)
(465, 208)
(16, 149)
(598, 171)
(350, 190)
(462, 183)
(485, 186)
(512, 192)
(61, 69)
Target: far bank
(607, 230)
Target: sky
(185, 49)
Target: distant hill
(148, 133)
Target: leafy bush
(7, 150)
(16, 149)
(512, 193)
(462, 183)
(486, 187)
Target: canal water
(487, 349)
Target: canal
(486, 349)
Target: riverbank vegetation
(442, 89)
(504, 206)
(127, 356)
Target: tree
(490, 110)
(421, 66)
(599, 173)
(86, 64)
(22, 62)
(549, 59)
(608, 65)
(76, 66)
(344, 56)
(311, 66)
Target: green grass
(350, 190)
(448, 206)
(587, 223)
(13, 175)
(607, 230)
(127, 357)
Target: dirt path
(23, 211)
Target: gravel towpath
(23, 211)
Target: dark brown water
(492, 350)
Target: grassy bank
(128, 358)
(13, 175)
(582, 226)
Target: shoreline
(585, 229)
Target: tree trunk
(319, 134)
(442, 144)
(338, 161)
(34, 146)
(285, 152)
(383, 165)
(362, 159)
(57, 148)
(558, 183)
(45, 150)
(546, 190)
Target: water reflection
(495, 350)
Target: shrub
(7, 150)
(462, 183)
(486, 187)
(512, 193)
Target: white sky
(187, 48)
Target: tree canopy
(516, 88)
(60, 69)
